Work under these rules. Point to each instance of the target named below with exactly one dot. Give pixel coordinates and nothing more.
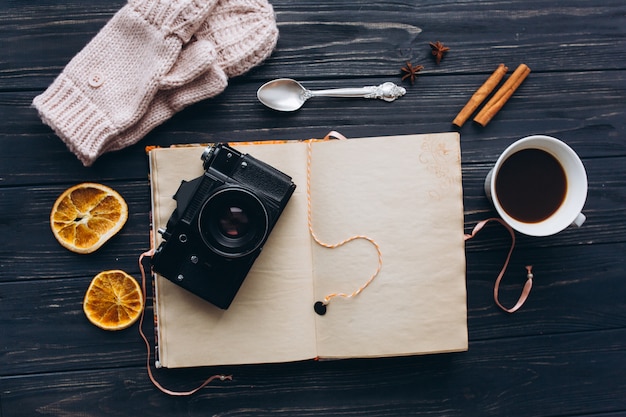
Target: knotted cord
(320, 306)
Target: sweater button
(96, 80)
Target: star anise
(411, 71)
(438, 50)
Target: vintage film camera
(221, 222)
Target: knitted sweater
(153, 58)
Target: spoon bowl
(283, 94)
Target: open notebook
(404, 192)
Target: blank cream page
(270, 319)
(405, 193)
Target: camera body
(221, 222)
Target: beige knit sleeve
(107, 87)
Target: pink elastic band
(145, 339)
(529, 275)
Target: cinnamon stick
(480, 95)
(501, 96)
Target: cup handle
(579, 220)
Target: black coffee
(531, 185)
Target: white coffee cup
(569, 211)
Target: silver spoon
(285, 94)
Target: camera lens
(233, 222)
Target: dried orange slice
(113, 301)
(86, 215)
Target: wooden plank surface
(512, 376)
(562, 354)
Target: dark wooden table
(562, 354)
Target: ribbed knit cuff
(244, 33)
(180, 17)
(75, 119)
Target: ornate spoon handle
(387, 91)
